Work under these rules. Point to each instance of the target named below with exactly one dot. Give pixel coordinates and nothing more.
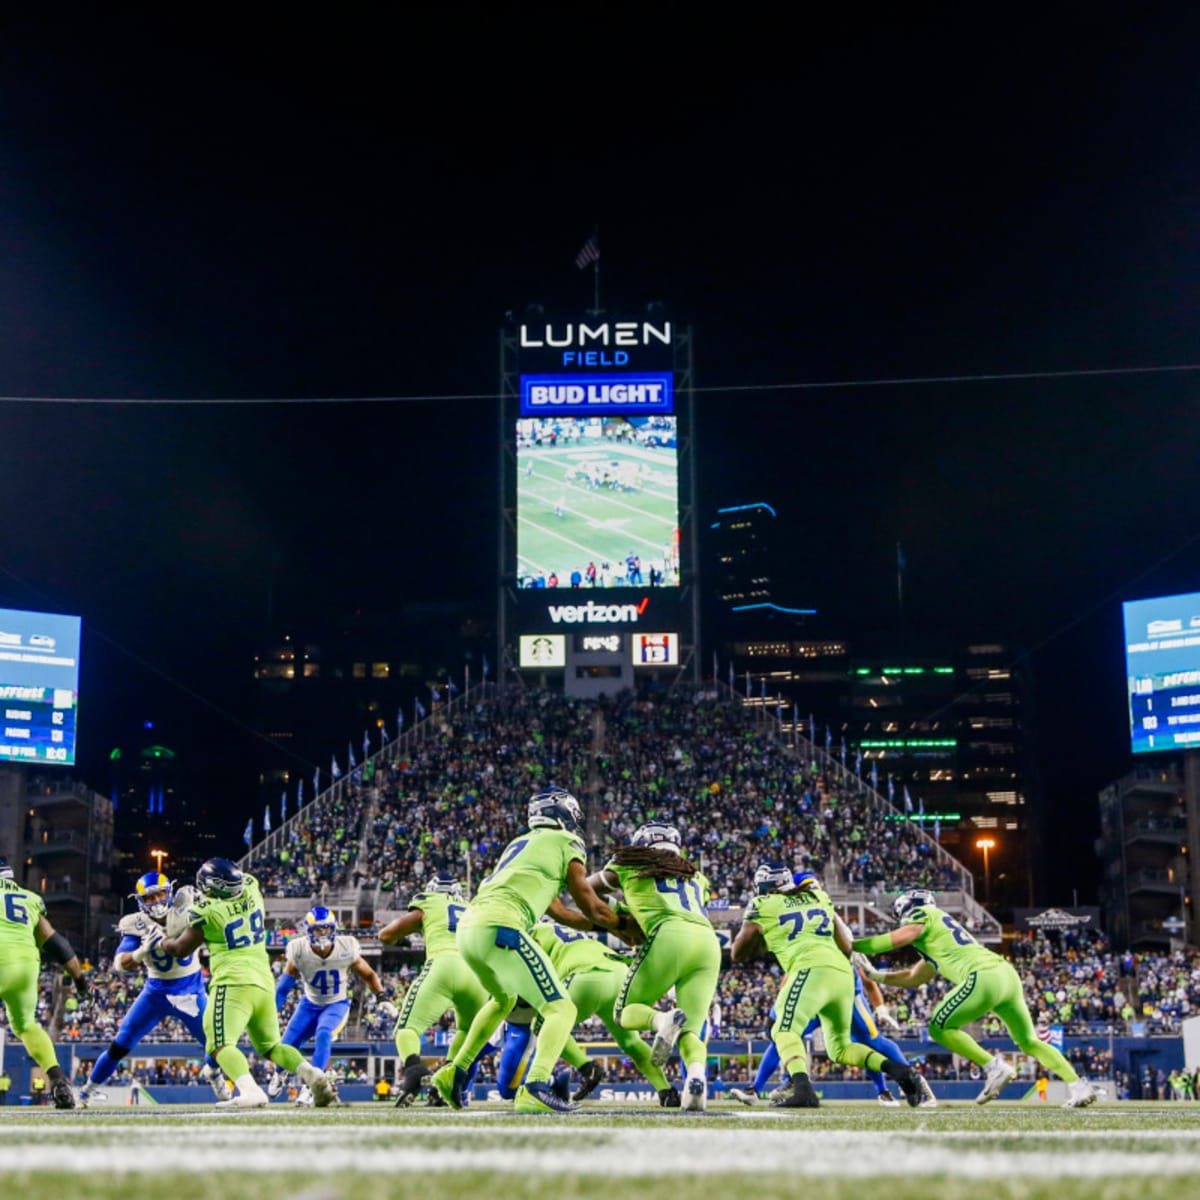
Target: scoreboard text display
(597, 456)
(39, 686)
(1162, 668)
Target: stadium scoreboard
(1162, 669)
(593, 554)
(39, 686)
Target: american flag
(590, 252)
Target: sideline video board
(597, 449)
(39, 686)
(1162, 668)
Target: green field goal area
(600, 501)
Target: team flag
(891, 788)
(383, 734)
(334, 769)
(350, 756)
(266, 818)
(937, 829)
(589, 253)
(875, 775)
(858, 762)
(316, 782)
(419, 707)
(435, 695)
(907, 800)
(366, 745)
(485, 667)
(248, 835)
(300, 794)
(283, 808)
(843, 751)
(828, 739)
(400, 722)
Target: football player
(229, 916)
(494, 940)
(445, 981)
(25, 934)
(174, 987)
(668, 898)
(985, 983)
(812, 944)
(594, 976)
(324, 960)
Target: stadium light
(986, 844)
(158, 856)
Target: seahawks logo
(792, 1000)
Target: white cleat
(275, 1084)
(249, 1098)
(780, 1094)
(746, 1096)
(94, 1096)
(304, 1098)
(887, 1100)
(667, 1027)
(1081, 1093)
(999, 1073)
(928, 1099)
(695, 1090)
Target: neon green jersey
(531, 873)
(439, 921)
(798, 929)
(20, 911)
(946, 945)
(653, 901)
(571, 951)
(235, 932)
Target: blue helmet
(6, 871)
(804, 880)
(321, 926)
(772, 877)
(913, 898)
(153, 893)
(658, 835)
(555, 807)
(220, 879)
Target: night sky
(287, 210)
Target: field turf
(368, 1151)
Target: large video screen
(597, 501)
(39, 686)
(1162, 668)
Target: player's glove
(866, 967)
(885, 1020)
(151, 940)
(388, 1009)
(82, 987)
(628, 930)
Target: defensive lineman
(230, 917)
(323, 960)
(985, 983)
(174, 987)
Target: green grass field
(1108, 1152)
(565, 520)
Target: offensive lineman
(324, 960)
(812, 944)
(985, 983)
(24, 930)
(445, 981)
(174, 987)
(230, 917)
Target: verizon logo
(574, 614)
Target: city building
(58, 835)
(1149, 845)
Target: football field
(596, 500)
(1147, 1151)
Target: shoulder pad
(419, 900)
(576, 843)
(917, 916)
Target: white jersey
(159, 965)
(326, 980)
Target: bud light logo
(596, 395)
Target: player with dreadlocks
(668, 898)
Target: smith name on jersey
(326, 980)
